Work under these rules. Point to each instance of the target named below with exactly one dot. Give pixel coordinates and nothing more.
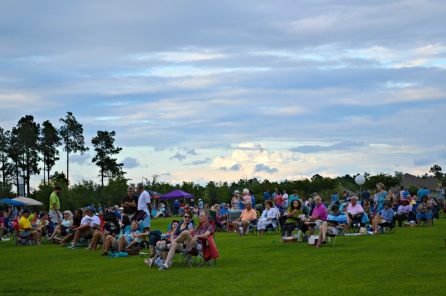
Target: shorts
(146, 222)
(427, 216)
(334, 230)
(318, 223)
(86, 233)
(115, 245)
(54, 217)
(24, 233)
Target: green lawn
(409, 262)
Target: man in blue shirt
(334, 198)
(266, 194)
(420, 193)
(176, 207)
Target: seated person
(163, 245)
(385, 216)
(293, 213)
(101, 232)
(202, 232)
(88, 225)
(424, 211)
(335, 220)
(77, 218)
(403, 211)
(267, 216)
(42, 222)
(161, 211)
(3, 230)
(62, 229)
(354, 210)
(223, 215)
(318, 216)
(124, 241)
(247, 215)
(196, 211)
(25, 228)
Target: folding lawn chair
(340, 230)
(21, 240)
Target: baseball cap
(90, 208)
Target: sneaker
(73, 247)
(163, 267)
(5, 239)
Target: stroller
(111, 223)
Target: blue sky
(201, 90)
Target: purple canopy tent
(176, 194)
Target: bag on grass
(365, 218)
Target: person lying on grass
(123, 241)
(203, 232)
(335, 220)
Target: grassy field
(409, 262)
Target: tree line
(31, 147)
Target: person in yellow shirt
(25, 228)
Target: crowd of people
(291, 212)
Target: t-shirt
(406, 193)
(202, 229)
(266, 195)
(176, 204)
(66, 223)
(23, 224)
(87, 220)
(440, 194)
(179, 230)
(248, 215)
(54, 199)
(341, 218)
(387, 214)
(129, 236)
(366, 195)
(354, 210)
(143, 200)
(130, 210)
(285, 199)
(293, 197)
(279, 200)
(295, 216)
(253, 200)
(334, 198)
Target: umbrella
(28, 201)
(176, 194)
(11, 202)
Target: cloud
(423, 161)
(165, 174)
(190, 151)
(81, 159)
(343, 145)
(198, 162)
(178, 156)
(235, 168)
(130, 162)
(265, 168)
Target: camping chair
(209, 253)
(218, 226)
(21, 240)
(273, 227)
(356, 223)
(340, 230)
(387, 227)
(252, 228)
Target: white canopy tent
(28, 201)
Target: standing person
(144, 205)
(130, 203)
(266, 194)
(54, 211)
(235, 201)
(285, 199)
(381, 197)
(440, 196)
(7, 214)
(245, 199)
(275, 193)
(278, 200)
(253, 200)
(334, 198)
(293, 196)
(200, 204)
(420, 193)
(366, 195)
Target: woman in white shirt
(268, 216)
(67, 223)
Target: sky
(224, 90)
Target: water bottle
(158, 261)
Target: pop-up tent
(28, 201)
(11, 202)
(176, 194)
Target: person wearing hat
(65, 225)
(403, 211)
(89, 224)
(25, 228)
(235, 201)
